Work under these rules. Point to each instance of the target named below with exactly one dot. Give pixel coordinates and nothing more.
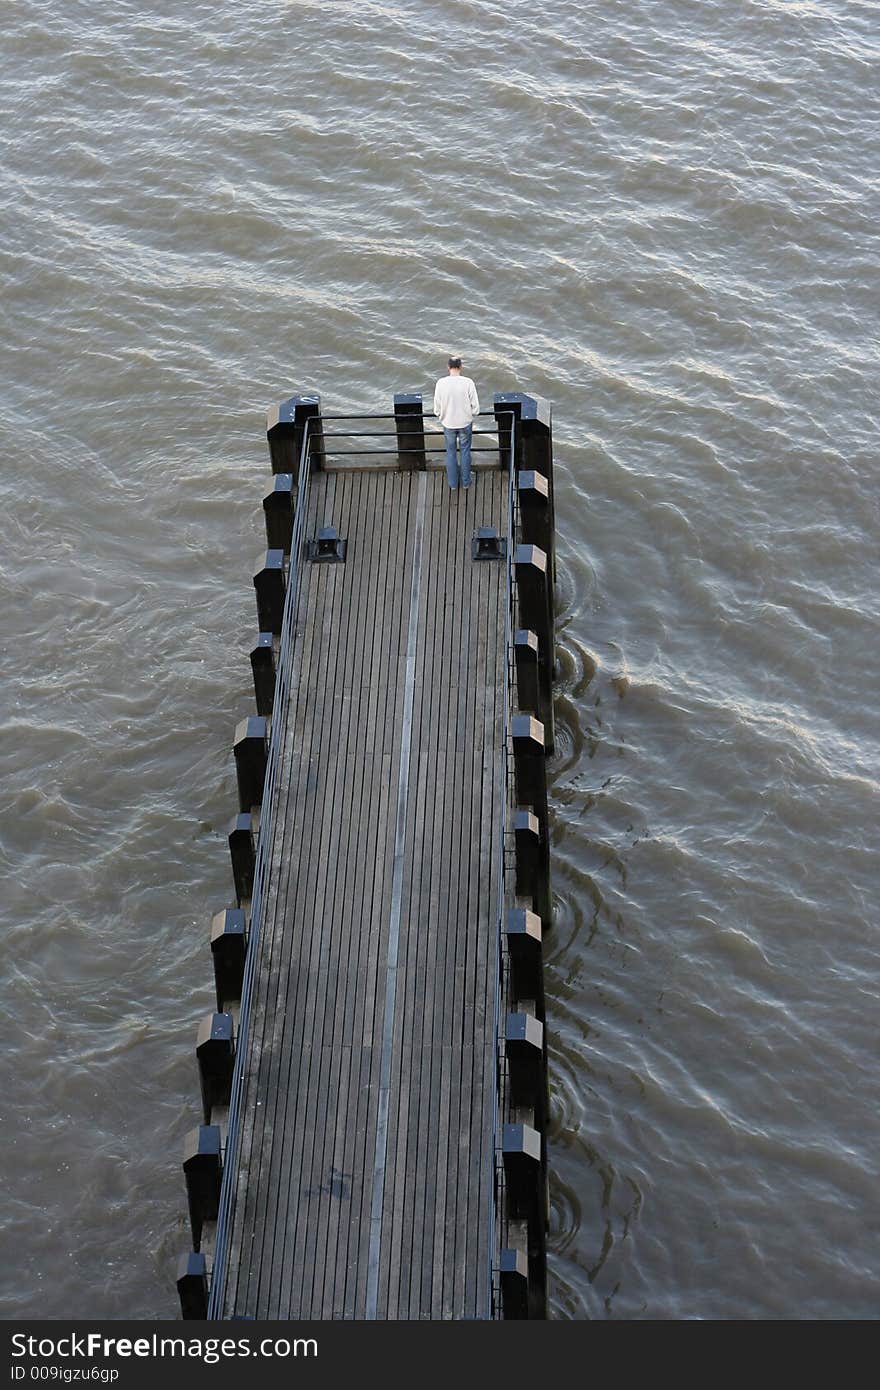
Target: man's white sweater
(455, 402)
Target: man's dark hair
(455, 361)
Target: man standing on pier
(455, 405)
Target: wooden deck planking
(301, 1237)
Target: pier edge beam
(285, 427)
(251, 749)
(278, 512)
(409, 423)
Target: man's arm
(437, 403)
(474, 399)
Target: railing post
(409, 422)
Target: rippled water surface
(662, 217)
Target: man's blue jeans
(463, 438)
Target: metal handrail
(265, 846)
(386, 415)
(504, 815)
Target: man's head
(454, 365)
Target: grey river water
(662, 216)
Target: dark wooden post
(524, 1049)
(514, 1272)
(535, 452)
(523, 932)
(215, 1053)
(229, 952)
(533, 592)
(264, 667)
(278, 509)
(271, 584)
(243, 853)
(525, 650)
(203, 1169)
(192, 1286)
(409, 421)
(522, 1154)
(527, 839)
(534, 511)
(285, 427)
(529, 764)
(251, 755)
(530, 781)
(526, 1181)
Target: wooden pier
(374, 1080)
